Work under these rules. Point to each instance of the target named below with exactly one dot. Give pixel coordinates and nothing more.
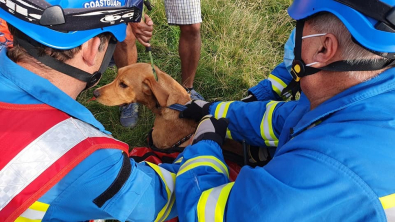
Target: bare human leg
(126, 52)
(189, 51)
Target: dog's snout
(96, 93)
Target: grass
(242, 41)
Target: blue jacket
(333, 163)
(141, 198)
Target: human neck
(322, 86)
(67, 84)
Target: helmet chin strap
(90, 79)
(300, 69)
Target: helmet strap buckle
(297, 70)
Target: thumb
(220, 125)
(224, 121)
(148, 20)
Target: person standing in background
(186, 15)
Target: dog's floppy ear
(151, 86)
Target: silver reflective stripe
(222, 110)
(169, 206)
(168, 178)
(33, 214)
(212, 203)
(277, 84)
(267, 132)
(390, 214)
(219, 112)
(388, 203)
(36, 157)
(201, 160)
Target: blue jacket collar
(380, 84)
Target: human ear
(328, 50)
(90, 50)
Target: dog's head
(134, 83)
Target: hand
(250, 98)
(195, 110)
(211, 129)
(143, 30)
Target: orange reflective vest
(39, 145)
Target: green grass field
(242, 41)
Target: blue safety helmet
(66, 24)
(370, 22)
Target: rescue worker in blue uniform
(335, 154)
(277, 86)
(60, 49)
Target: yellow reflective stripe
(388, 201)
(210, 161)
(220, 112)
(35, 212)
(212, 203)
(179, 160)
(168, 209)
(277, 84)
(222, 200)
(23, 219)
(39, 206)
(194, 165)
(168, 179)
(228, 134)
(277, 80)
(222, 109)
(271, 111)
(201, 206)
(267, 131)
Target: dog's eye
(123, 85)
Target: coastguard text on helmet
(102, 3)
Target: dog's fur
(136, 83)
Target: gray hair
(353, 53)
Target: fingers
(200, 103)
(189, 102)
(144, 41)
(193, 111)
(208, 116)
(249, 98)
(143, 30)
(211, 129)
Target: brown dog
(136, 83)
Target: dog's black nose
(96, 93)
